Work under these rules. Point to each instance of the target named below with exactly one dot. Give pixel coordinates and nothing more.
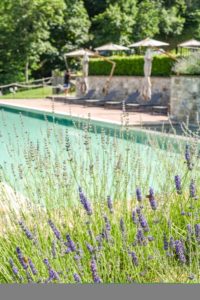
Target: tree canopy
(34, 34)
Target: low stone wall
(185, 98)
(124, 84)
(129, 84)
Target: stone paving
(96, 113)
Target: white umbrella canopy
(80, 52)
(149, 43)
(111, 47)
(190, 43)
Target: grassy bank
(37, 93)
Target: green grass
(36, 93)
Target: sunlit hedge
(132, 66)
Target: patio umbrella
(149, 43)
(146, 88)
(85, 63)
(85, 71)
(148, 58)
(79, 53)
(111, 47)
(190, 44)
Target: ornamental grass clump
(69, 230)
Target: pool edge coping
(99, 122)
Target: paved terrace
(96, 113)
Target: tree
(171, 23)
(24, 34)
(95, 7)
(116, 23)
(148, 17)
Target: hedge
(131, 66)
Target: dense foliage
(132, 66)
(34, 34)
(189, 65)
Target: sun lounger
(160, 109)
(112, 95)
(77, 100)
(131, 103)
(147, 106)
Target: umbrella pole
(108, 81)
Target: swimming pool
(40, 148)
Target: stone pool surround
(185, 98)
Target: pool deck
(114, 116)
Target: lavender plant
(61, 232)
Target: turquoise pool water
(84, 151)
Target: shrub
(189, 65)
(131, 66)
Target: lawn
(36, 93)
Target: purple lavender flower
(28, 276)
(46, 262)
(178, 184)
(138, 194)
(84, 201)
(32, 266)
(26, 230)
(134, 217)
(143, 223)
(150, 238)
(171, 243)
(14, 268)
(55, 230)
(180, 251)
(70, 244)
(140, 236)
(188, 157)
(193, 190)
(99, 240)
(152, 199)
(165, 242)
(53, 275)
(138, 211)
(90, 248)
(77, 278)
(53, 249)
(21, 258)
(95, 276)
(110, 205)
(134, 258)
(189, 229)
(108, 226)
(197, 232)
(187, 153)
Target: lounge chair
(75, 100)
(117, 103)
(160, 109)
(100, 102)
(148, 105)
(80, 100)
(131, 103)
